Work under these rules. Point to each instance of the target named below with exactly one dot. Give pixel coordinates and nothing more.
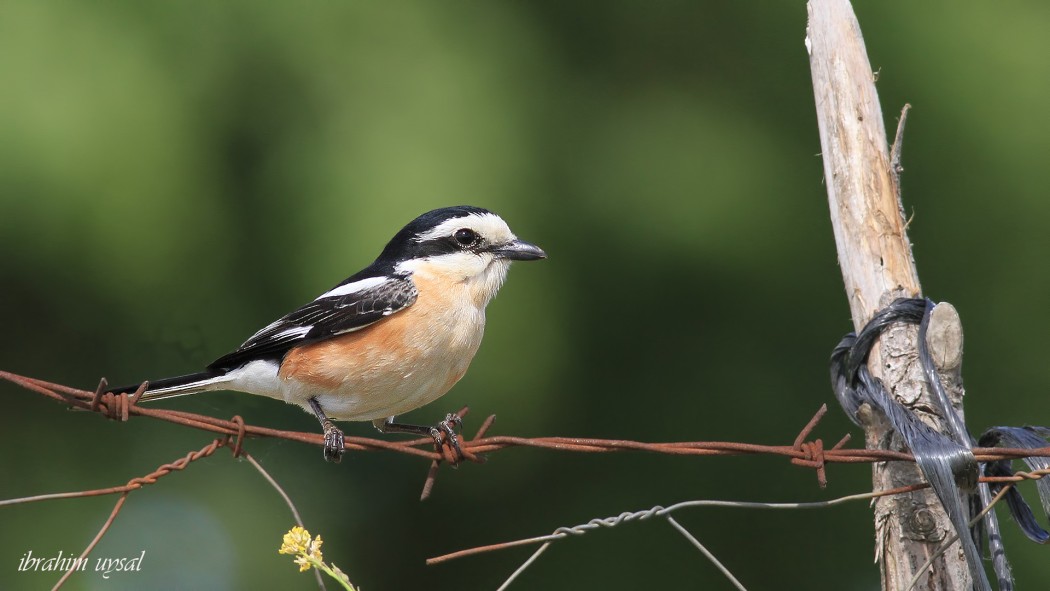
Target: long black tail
(176, 386)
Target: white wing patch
(293, 332)
(354, 287)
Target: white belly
(377, 384)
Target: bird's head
(463, 245)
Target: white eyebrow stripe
(487, 224)
(354, 287)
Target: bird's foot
(444, 433)
(333, 442)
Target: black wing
(323, 318)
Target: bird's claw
(333, 443)
(445, 433)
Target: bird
(391, 338)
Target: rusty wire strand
(811, 454)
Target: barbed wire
(801, 452)
(234, 431)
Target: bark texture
(877, 267)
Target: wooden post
(877, 267)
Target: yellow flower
(307, 552)
(297, 540)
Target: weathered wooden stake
(877, 267)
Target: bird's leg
(442, 432)
(333, 437)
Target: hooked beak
(519, 250)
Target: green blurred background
(175, 175)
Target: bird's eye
(466, 237)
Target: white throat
(481, 275)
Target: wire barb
(238, 438)
(814, 451)
(449, 455)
